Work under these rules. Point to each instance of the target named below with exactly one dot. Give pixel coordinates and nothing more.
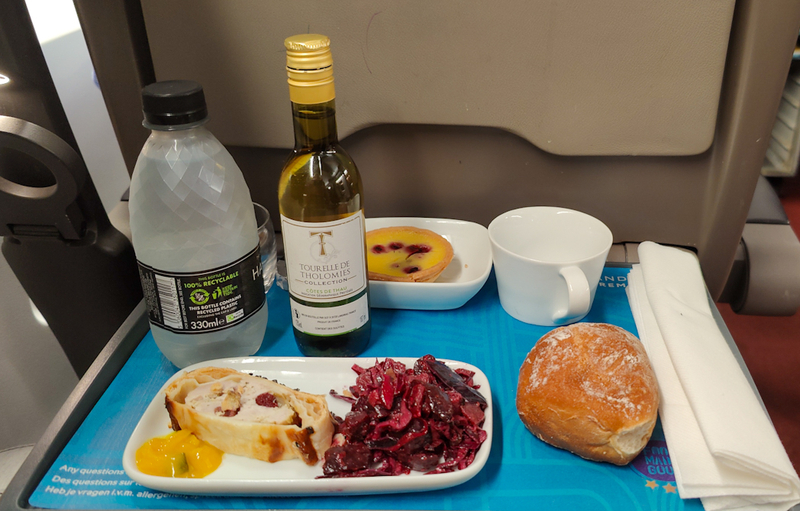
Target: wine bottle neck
(314, 126)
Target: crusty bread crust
(267, 442)
(589, 388)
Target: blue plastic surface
(522, 472)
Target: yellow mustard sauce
(178, 454)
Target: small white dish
(461, 280)
(244, 476)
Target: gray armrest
(766, 207)
(765, 279)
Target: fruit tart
(407, 254)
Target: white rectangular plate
(461, 280)
(244, 476)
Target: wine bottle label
(330, 320)
(325, 261)
(206, 301)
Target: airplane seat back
(654, 118)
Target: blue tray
(522, 472)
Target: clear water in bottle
(191, 213)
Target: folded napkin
(723, 447)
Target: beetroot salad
(427, 418)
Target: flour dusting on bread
(589, 388)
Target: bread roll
(589, 388)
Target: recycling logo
(199, 296)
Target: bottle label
(330, 320)
(206, 301)
(325, 261)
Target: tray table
(77, 464)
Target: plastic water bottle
(194, 234)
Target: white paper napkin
(722, 444)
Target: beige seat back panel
(574, 77)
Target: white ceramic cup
(548, 262)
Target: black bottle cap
(173, 102)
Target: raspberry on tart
(407, 254)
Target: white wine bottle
(322, 214)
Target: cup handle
(579, 294)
